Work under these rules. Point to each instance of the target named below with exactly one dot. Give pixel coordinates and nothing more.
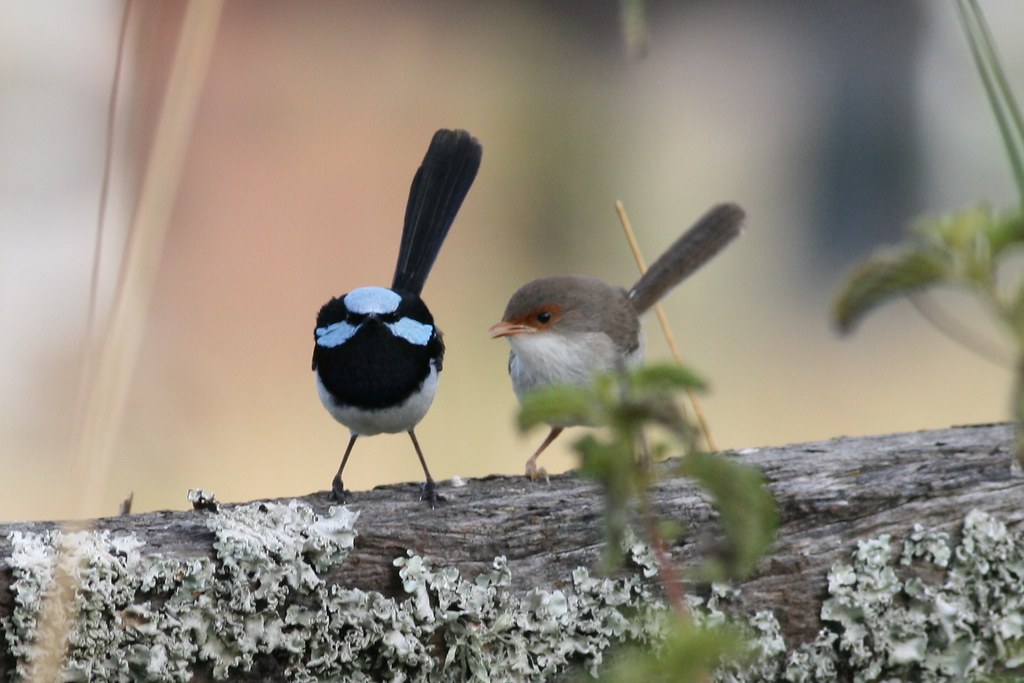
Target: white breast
(542, 359)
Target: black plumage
(376, 369)
(376, 351)
(437, 191)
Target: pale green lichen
(139, 616)
(930, 611)
(135, 615)
(490, 634)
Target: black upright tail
(441, 183)
(694, 248)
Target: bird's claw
(428, 492)
(534, 473)
(338, 492)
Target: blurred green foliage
(970, 249)
(688, 653)
(629, 406)
(966, 249)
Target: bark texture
(830, 495)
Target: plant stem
(1000, 95)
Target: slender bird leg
(337, 487)
(427, 491)
(533, 472)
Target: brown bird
(566, 328)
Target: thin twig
(671, 581)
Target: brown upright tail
(694, 248)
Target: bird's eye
(544, 317)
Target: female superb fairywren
(565, 329)
(377, 353)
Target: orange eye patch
(542, 317)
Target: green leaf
(688, 654)
(960, 231)
(976, 234)
(887, 274)
(613, 465)
(560, 404)
(610, 463)
(1014, 313)
(747, 509)
(666, 377)
(1006, 230)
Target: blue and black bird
(377, 353)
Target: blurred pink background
(833, 123)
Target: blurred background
(835, 124)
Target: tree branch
(830, 495)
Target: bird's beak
(507, 329)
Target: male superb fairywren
(377, 353)
(565, 329)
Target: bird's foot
(534, 473)
(338, 492)
(428, 492)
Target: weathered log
(830, 495)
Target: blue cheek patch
(411, 331)
(334, 335)
(369, 300)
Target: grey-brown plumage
(708, 236)
(613, 315)
(565, 329)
